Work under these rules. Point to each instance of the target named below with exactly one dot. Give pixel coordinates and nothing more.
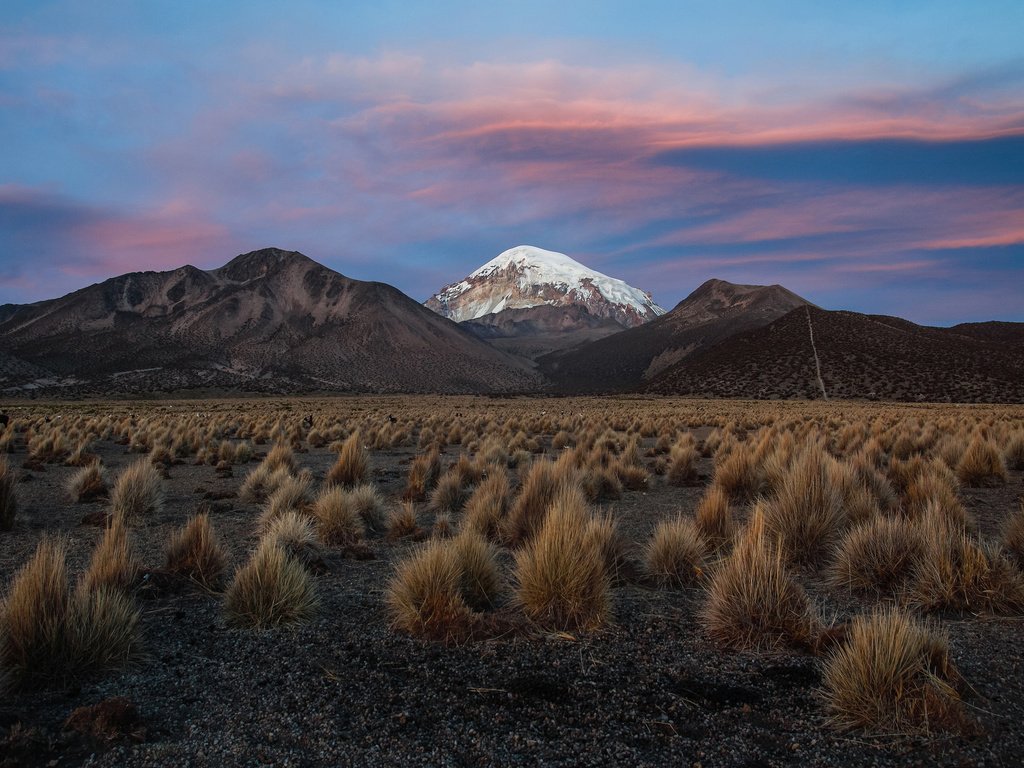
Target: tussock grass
(481, 583)
(1013, 536)
(894, 674)
(369, 505)
(53, 636)
(88, 483)
(543, 481)
(281, 456)
(113, 564)
(753, 601)
(682, 464)
(737, 473)
(677, 553)
(8, 495)
(196, 552)
(603, 532)
(424, 596)
(403, 521)
(272, 589)
(982, 464)
(423, 475)
(137, 493)
(262, 482)
(806, 514)
(714, 518)
(353, 464)
(449, 495)
(293, 533)
(877, 557)
(294, 494)
(338, 522)
(561, 582)
(957, 572)
(488, 504)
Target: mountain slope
(713, 312)
(525, 276)
(861, 356)
(535, 331)
(269, 320)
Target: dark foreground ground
(651, 689)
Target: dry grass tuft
(449, 495)
(293, 494)
(806, 514)
(1013, 536)
(423, 475)
(481, 583)
(50, 635)
(281, 456)
(270, 590)
(138, 492)
(603, 532)
(369, 505)
(543, 482)
(262, 482)
(488, 504)
(982, 464)
(195, 551)
(753, 601)
(113, 564)
(293, 533)
(878, 556)
(560, 575)
(424, 596)
(715, 520)
(88, 483)
(8, 495)
(737, 473)
(403, 521)
(682, 466)
(353, 463)
(676, 555)
(958, 572)
(338, 522)
(893, 675)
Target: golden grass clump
(281, 456)
(714, 518)
(137, 493)
(676, 555)
(51, 635)
(449, 495)
(682, 464)
(292, 495)
(196, 552)
(560, 576)
(8, 495)
(1014, 452)
(753, 601)
(806, 514)
(353, 464)
(481, 583)
(488, 504)
(338, 522)
(878, 556)
(369, 505)
(270, 590)
(262, 482)
(113, 564)
(603, 532)
(737, 473)
(423, 475)
(424, 596)
(960, 573)
(894, 674)
(543, 481)
(982, 464)
(403, 521)
(88, 483)
(1013, 536)
(293, 533)
(601, 483)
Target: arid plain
(475, 580)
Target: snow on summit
(526, 276)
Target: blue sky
(869, 156)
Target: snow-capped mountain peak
(526, 276)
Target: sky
(868, 155)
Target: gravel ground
(651, 689)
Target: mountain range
(529, 320)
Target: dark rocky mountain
(860, 356)
(627, 360)
(270, 320)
